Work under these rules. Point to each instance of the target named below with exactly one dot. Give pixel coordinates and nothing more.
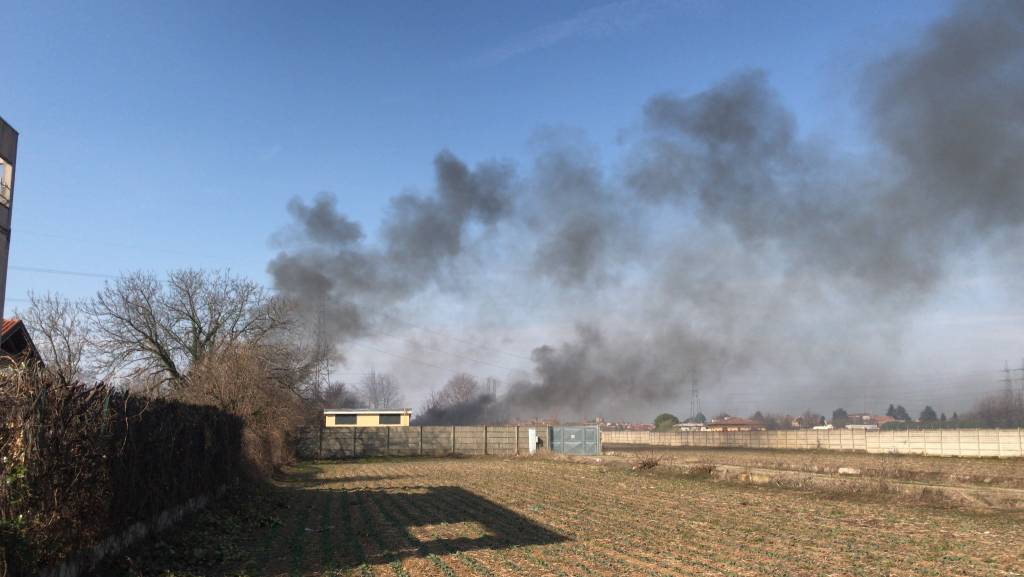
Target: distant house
(689, 426)
(867, 421)
(734, 424)
(626, 426)
(367, 417)
(15, 341)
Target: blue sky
(163, 135)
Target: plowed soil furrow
(613, 547)
(443, 513)
(282, 551)
(634, 542)
(381, 553)
(327, 533)
(636, 539)
(894, 553)
(365, 551)
(489, 517)
(416, 553)
(557, 551)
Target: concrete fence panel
(939, 442)
(346, 442)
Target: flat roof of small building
(365, 411)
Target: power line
(60, 271)
(130, 246)
(457, 355)
(402, 357)
(448, 336)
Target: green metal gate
(576, 440)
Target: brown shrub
(242, 381)
(647, 461)
(82, 462)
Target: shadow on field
(303, 530)
(388, 525)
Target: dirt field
(500, 517)
(950, 470)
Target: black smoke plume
(726, 244)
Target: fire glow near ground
(529, 516)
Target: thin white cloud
(603, 20)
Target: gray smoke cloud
(329, 267)
(726, 244)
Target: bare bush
(647, 461)
(244, 381)
(701, 471)
(79, 463)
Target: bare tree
(159, 330)
(463, 401)
(459, 389)
(338, 395)
(809, 419)
(59, 333)
(380, 391)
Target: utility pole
(322, 372)
(1020, 391)
(1007, 380)
(694, 393)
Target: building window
(390, 419)
(344, 419)
(5, 187)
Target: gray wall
(347, 442)
(945, 442)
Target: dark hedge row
(84, 462)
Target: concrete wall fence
(347, 442)
(942, 442)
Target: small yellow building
(367, 417)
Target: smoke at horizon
(723, 244)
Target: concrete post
(453, 439)
(387, 441)
(485, 440)
(421, 442)
(517, 440)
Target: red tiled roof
(9, 325)
(735, 421)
